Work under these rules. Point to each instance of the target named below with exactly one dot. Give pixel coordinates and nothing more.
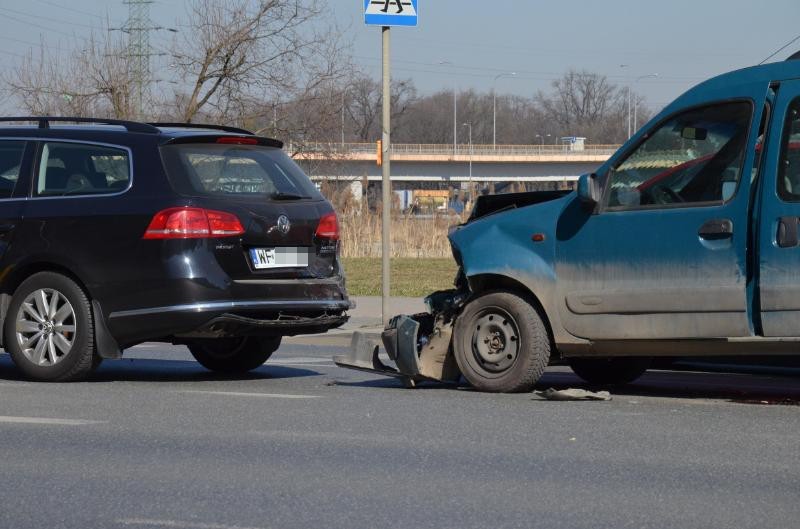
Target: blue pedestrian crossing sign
(390, 12)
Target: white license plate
(283, 257)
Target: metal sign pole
(386, 247)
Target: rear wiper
(279, 195)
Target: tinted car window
(789, 171)
(10, 160)
(697, 156)
(81, 169)
(235, 170)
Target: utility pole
(138, 28)
(386, 191)
(494, 105)
(404, 14)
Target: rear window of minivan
(200, 169)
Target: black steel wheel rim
(495, 340)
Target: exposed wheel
(49, 329)
(234, 355)
(610, 371)
(500, 343)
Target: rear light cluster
(193, 223)
(237, 140)
(328, 227)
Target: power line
(529, 49)
(22, 41)
(526, 75)
(13, 54)
(51, 30)
(528, 72)
(54, 4)
(39, 17)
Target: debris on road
(573, 394)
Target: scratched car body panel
(685, 243)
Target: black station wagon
(116, 232)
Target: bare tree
(233, 52)
(365, 105)
(92, 80)
(583, 103)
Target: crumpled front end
(419, 345)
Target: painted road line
(300, 360)
(293, 364)
(247, 394)
(44, 420)
(144, 522)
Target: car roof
(112, 131)
(766, 73)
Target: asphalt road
(154, 441)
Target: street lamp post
(494, 105)
(629, 101)
(469, 124)
(636, 101)
(344, 93)
(455, 110)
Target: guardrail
(450, 150)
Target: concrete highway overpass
(446, 164)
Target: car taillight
(192, 223)
(236, 140)
(328, 227)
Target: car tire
(610, 371)
(234, 355)
(501, 343)
(49, 329)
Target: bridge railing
(460, 150)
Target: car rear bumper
(285, 317)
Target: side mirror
(589, 191)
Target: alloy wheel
(45, 327)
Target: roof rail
(44, 122)
(223, 128)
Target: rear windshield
(235, 170)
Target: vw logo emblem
(283, 224)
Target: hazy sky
(684, 41)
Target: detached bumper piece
(285, 325)
(419, 346)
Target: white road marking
(248, 394)
(178, 523)
(44, 420)
(293, 364)
(299, 360)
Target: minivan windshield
(200, 169)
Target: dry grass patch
(411, 236)
(410, 277)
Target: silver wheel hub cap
(45, 327)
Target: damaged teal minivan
(685, 243)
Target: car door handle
(716, 229)
(787, 232)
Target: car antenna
(781, 49)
